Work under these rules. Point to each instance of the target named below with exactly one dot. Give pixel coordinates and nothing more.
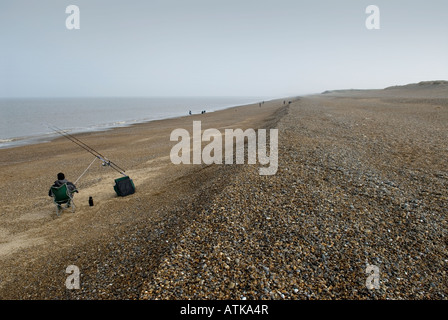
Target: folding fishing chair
(62, 195)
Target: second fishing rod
(105, 161)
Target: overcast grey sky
(216, 47)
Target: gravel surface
(361, 181)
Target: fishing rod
(104, 160)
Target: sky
(268, 48)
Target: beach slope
(362, 181)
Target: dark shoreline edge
(15, 142)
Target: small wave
(21, 141)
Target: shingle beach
(362, 181)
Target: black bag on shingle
(124, 186)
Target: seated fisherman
(61, 180)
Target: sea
(29, 120)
